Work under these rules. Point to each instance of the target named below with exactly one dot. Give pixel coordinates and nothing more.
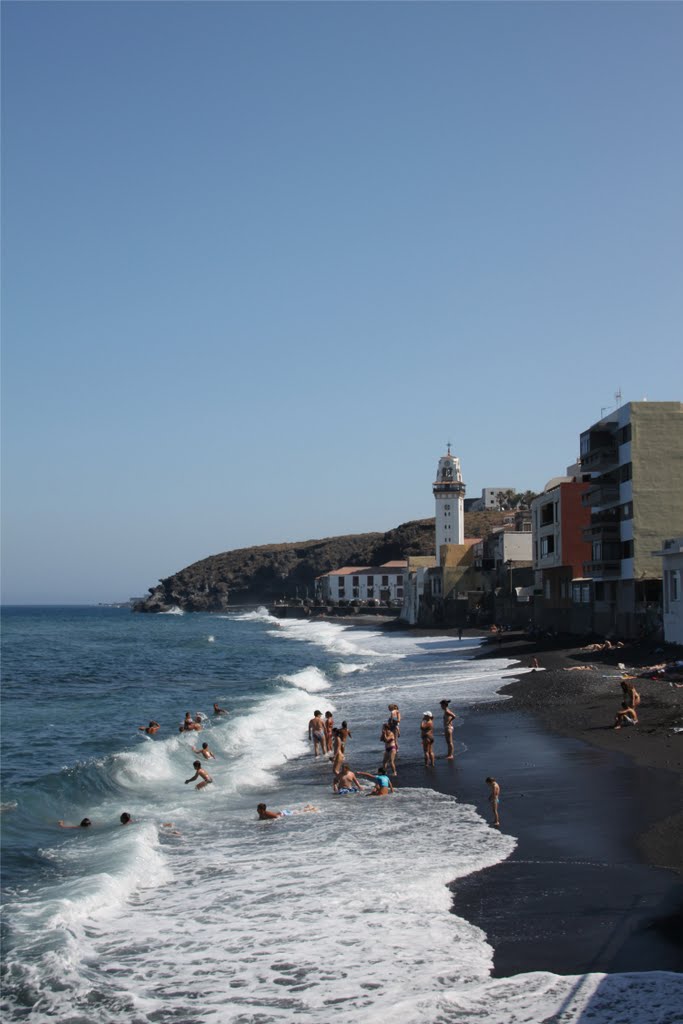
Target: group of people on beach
(329, 740)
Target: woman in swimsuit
(338, 751)
(427, 733)
(394, 722)
(389, 741)
(329, 726)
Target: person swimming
(200, 773)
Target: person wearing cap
(448, 719)
(382, 782)
(427, 733)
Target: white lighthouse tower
(449, 494)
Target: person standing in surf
(316, 732)
(200, 773)
(448, 719)
(494, 799)
(427, 734)
(389, 740)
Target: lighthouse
(449, 495)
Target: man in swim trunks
(205, 752)
(200, 773)
(448, 719)
(316, 732)
(346, 781)
(382, 782)
(494, 799)
(219, 711)
(85, 823)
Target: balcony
(602, 457)
(605, 531)
(602, 570)
(601, 494)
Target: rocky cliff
(259, 575)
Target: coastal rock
(261, 575)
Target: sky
(262, 261)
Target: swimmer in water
(382, 782)
(346, 781)
(219, 711)
(266, 815)
(205, 752)
(150, 729)
(126, 819)
(85, 823)
(200, 773)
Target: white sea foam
(173, 611)
(311, 679)
(260, 614)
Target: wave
(311, 679)
(261, 614)
(175, 610)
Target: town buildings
(635, 498)
(672, 575)
(559, 521)
(383, 584)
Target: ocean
(223, 917)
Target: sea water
(221, 917)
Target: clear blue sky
(262, 261)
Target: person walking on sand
(200, 773)
(389, 741)
(448, 720)
(494, 799)
(205, 752)
(427, 733)
(316, 732)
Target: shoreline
(595, 883)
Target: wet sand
(595, 883)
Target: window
(356, 581)
(624, 435)
(341, 586)
(546, 589)
(385, 581)
(399, 592)
(547, 514)
(355, 592)
(581, 593)
(371, 591)
(547, 546)
(627, 510)
(625, 473)
(675, 589)
(399, 581)
(627, 549)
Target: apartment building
(559, 518)
(635, 498)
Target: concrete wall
(657, 480)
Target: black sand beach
(595, 881)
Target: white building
(449, 495)
(672, 565)
(490, 499)
(363, 583)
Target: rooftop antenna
(617, 397)
(449, 447)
